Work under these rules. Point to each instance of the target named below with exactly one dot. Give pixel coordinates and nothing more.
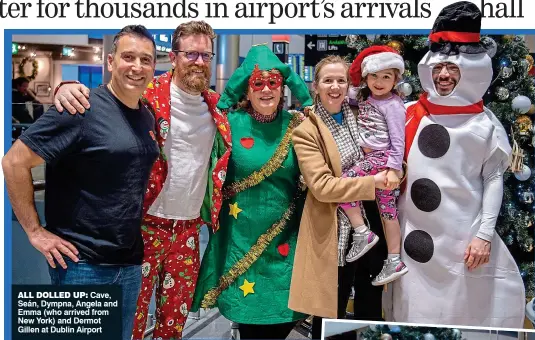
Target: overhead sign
(163, 42)
(297, 64)
(68, 51)
(280, 49)
(319, 46)
(309, 74)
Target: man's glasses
(194, 55)
(451, 68)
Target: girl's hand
(392, 180)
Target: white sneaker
(362, 242)
(392, 270)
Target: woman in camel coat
(319, 286)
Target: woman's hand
(392, 179)
(380, 180)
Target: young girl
(381, 124)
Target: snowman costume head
(455, 38)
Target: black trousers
(272, 332)
(359, 274)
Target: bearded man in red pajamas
(186, 124)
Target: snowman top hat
(457, 30)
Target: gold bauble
(529, 58)
(531, 109)
(523, 124)
(397, 45)
(386, 336)
(508, 37)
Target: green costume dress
(249, 215)
(247, 267)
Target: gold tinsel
(267, 169)
(248, 259)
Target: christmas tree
(510, 97)
(385, 332)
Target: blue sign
(309, 74)
(163, 42)
(297, 63)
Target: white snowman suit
(454, 192)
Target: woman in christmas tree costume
(255, 201)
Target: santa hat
(374, 59)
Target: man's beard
(196, 82)
(442, 92)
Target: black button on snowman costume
(457, 153)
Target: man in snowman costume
(461, 273)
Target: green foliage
(515, 223)
(410, 333)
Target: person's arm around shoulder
(17, 165)
(320, 179)
(71, 96)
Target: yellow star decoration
(234, 210)
(247, 287)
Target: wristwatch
(64, 83)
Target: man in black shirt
(98, 166)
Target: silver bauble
(523, 175)
(429, 336)
(524, 65)
(502, 93)
(507, 72)
(406, 89)
(372, 37)
(490, 45)
(386, 336)
(351, 40)
(521, 104)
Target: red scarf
(424, 107)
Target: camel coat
(314, 286)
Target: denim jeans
(83, 273)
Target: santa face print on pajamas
(171, 263)
(441, 209)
